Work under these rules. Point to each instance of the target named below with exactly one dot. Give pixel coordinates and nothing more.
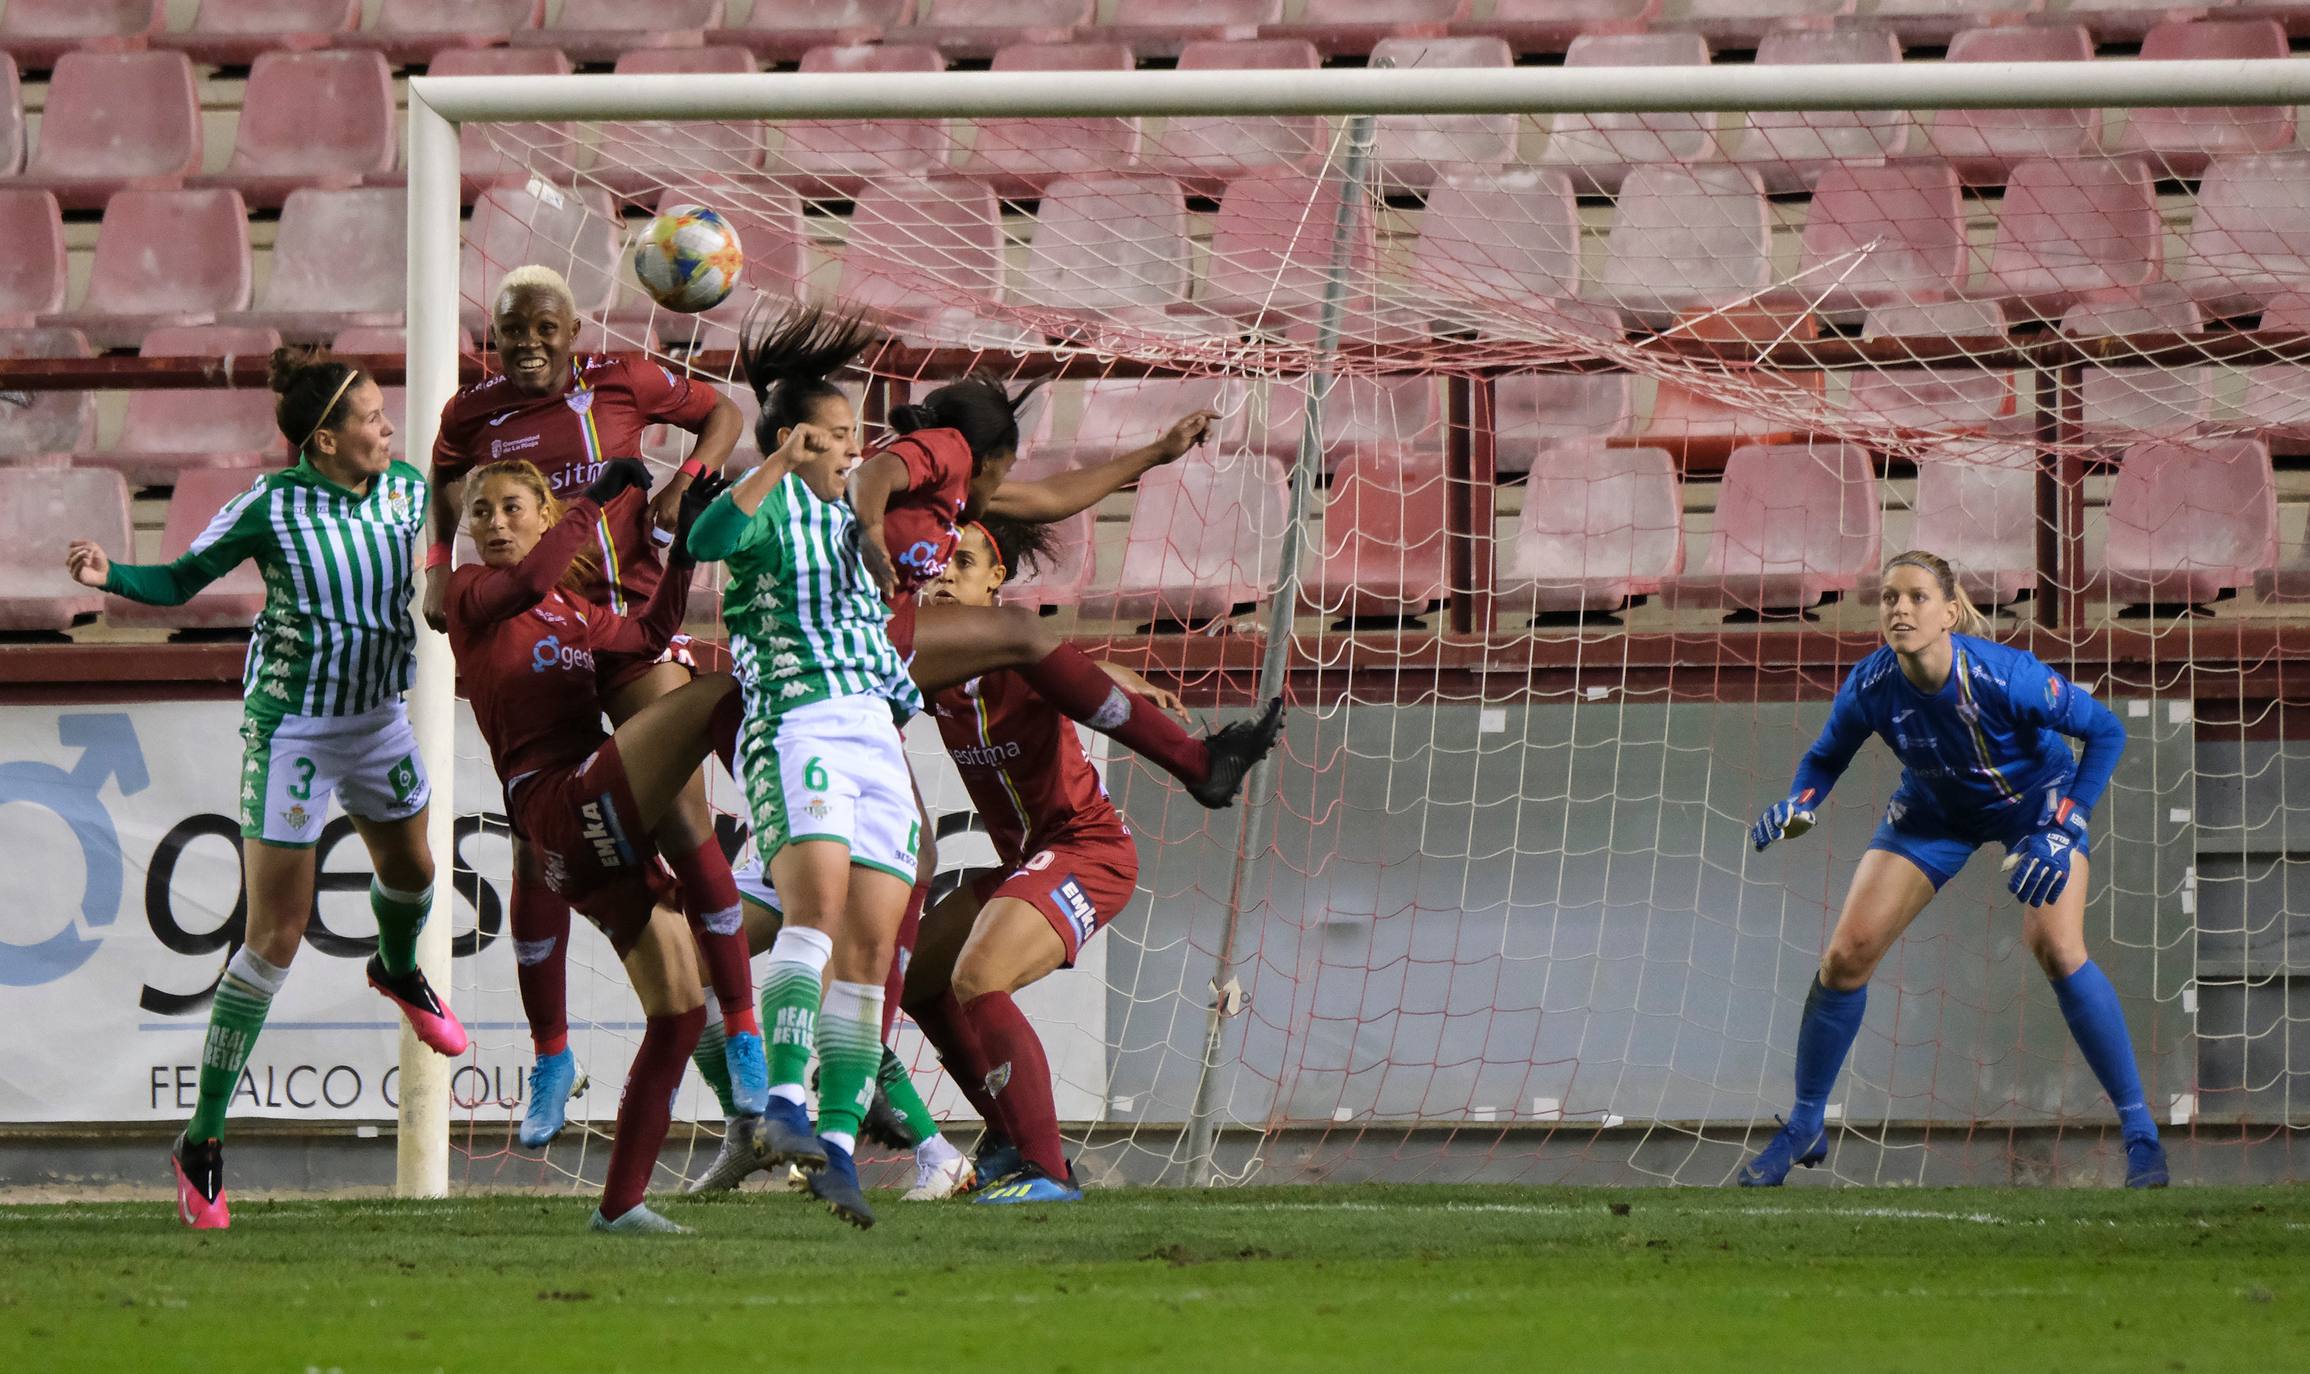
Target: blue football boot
(996, 1160)
(785, 1137)
(836, 1185)
(749, 1072)
(2146, 1164)
(1030, 1184)
(1771, 1166)
(554, 1080)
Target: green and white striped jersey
(334, 637)
(805, 621)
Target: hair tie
(334, 397)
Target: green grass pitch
(1319, 1278)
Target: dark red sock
(646, 1107)
(540, 922)
(710, 900)
(950, 1034)
(1022, 1075)
(1069, 680)
(894, 983)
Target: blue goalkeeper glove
(1784, 820)
(2040, 863)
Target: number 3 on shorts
(814, 775)
(302, 788)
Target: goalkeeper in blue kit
(1982, 731)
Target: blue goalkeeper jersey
(1996, 736)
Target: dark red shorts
(584, 828)
(1079, 884)
(698, 655)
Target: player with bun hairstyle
(571, 414)
(532, 651)
(1979, 728)
(329, 657)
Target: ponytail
(1970, 620)
(788, 361)
(979, 407)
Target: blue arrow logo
(109, 750)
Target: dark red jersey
(600, 415)
(919, 523)
(1025, 767)
(527, 650)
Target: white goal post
(439, 106)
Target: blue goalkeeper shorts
(1918, 830)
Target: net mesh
(1616, 418)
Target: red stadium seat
(981, 28)
(2130, 21)
(163, 258)
(1414, 150)
(1342, 27)
(116, 122)
(1700, 426)
(1109, 247)
(1163, 28)
(51, 425)
(1205, 152)
(507, 154)
(318, 119)
(2249, 235)
(2277, 399)
(1882, 235)
(1535, 412)
(1495, 243)
(924, 253)
(1268, 267)
(11, 118)
(1391, 419)
(1986, 144)
(834, 157)
(1794, 522)
(2122, 404)
(604, 30)
(1063, 577)
(233, 33)
(2066, 228)
(1746, 23)
(1380, 552)
(2190, 522)
(1932, 23)
(1791, 150)
(1976, 505)
(1205, 535)
(2179, 142)
(1599, 526)
(783, 30)
(1686, 238)
(1122, 414)
(38, 32)
(168, 433)
(636, 160)
(33, 273)
(1959, 399)
(417, 32)
(229, 603)
(41, 510)
(574, 233)
(1543, 26)
(1018, 157)
(340, 261)
(1599, 149)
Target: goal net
(1557, 458)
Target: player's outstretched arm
(718, 436)
(647, 634)
(237, 533)
(1841, 737)
(2039, 866)
(1063, 494)
(487, 595)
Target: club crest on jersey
(579, 402)
(1969, 713)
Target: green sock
(849, 1051)
(898, 1086)
(400, 915)
(790, 1021)
(236, 1018)
(710, 1059)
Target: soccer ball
(688, 259)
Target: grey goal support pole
(1201, 1135)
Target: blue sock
(1824, 1037)
(2098, 1024)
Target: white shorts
(754, 882)
(834, 770)
(290, 768)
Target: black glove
(695, 498)
(619, 474)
